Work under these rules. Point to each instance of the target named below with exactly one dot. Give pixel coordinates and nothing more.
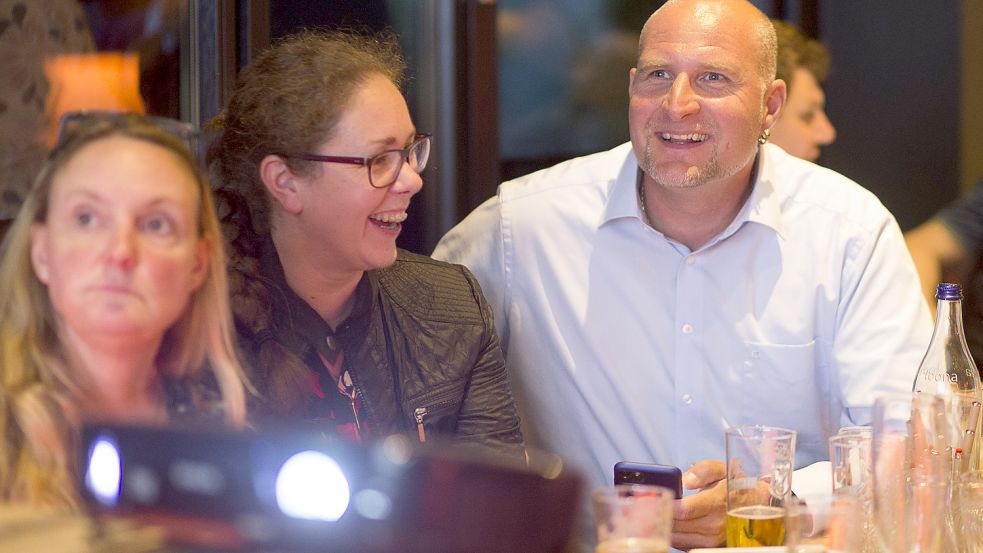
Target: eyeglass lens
(384, 169)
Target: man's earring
(764, 136)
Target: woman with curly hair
(318, 162)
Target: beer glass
(633, 518)
(759, 481)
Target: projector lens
(310, 485)
(102, 478)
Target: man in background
(803, 127)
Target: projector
(296, 491)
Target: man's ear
(39, 251)
(281, 183)
(774, 102)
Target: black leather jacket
(421, 349)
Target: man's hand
(699, 520)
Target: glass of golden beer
(759, 482)
(633, 518)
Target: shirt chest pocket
(779, 384)
(435, 411)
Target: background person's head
(117, 245)
(803, 63)
(703, 91)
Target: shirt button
(687, 399)
(687, 328)
(332, 343)
(690, 260)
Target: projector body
(297, 492)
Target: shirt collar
(763, 205)
(623, 194)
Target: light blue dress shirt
(626, 345)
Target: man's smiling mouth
(689, 138)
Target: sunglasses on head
(76, 121)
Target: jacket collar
(295, 323)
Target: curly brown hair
(288, 101)
(796, 50)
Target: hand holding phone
(667, 476)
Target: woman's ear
(39, 252)
(281, 183)
(203, 254)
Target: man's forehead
(723, 54)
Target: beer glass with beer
(633, 518)
(759, 482)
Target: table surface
(737, 549)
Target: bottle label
(940, 377)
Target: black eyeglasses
(384, 167)
(76, 120)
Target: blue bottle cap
(948, 291)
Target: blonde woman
(113, 302)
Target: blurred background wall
(894, 94)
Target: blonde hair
(37, 385)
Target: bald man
(696, 278)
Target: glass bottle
(948, 370)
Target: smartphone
(667, 476)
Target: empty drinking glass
(967, 495)
(912, 463)
(850, 460)
(824, 523)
